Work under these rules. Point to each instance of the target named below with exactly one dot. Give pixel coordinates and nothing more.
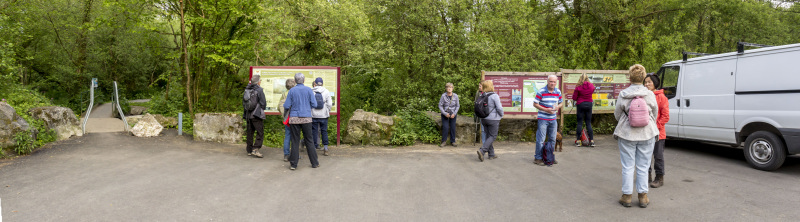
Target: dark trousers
(254, 126)
(320, 124)
(585, 116)
(491, 126)
(658, 157)
(294, 155)
(449, 127)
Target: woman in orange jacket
(652, 83)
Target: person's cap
(318, 80)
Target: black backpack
(250, 99)
(482, 106)
(320, 101)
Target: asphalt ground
(117, 177)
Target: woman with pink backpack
(636, 133)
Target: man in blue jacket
(299, 102)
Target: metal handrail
(91, 104)
(119, 109)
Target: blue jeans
(322, 125)
(483, 135)
(449, 128)
(287, 137)
(635, 154)
(545, 128)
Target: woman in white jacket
(635, 143)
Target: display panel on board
(273, 80)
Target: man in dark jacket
(255, 117)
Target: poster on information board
(273, 80)
(608, 84)
(517, 91)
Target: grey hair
(299, 78)
(449, 85)
(255, 79)
(548, 77)
(290, 83)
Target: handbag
(584, 137)
(288, 114)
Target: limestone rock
(369, 129)
(166, 121)
(60, 119)
(465, 126)
(218, 127)
(137, 110)
(147, 126)
(132, 120)
(10, 125)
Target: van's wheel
(764, 151)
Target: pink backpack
(638, 112)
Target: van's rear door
(707, 106)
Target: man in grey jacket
(320, 116)
(255, 117)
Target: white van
(746, 98)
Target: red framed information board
(517, 90)
(273, 81)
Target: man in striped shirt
(548, 101)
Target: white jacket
(325, 112)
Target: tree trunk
(186, 58)
(82, 38)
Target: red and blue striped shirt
(548, 99)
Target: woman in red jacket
(652, 83)
(583, 100)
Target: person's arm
(498, 106)
(663, 110)
(280, 104)
(311, 99)
(328, 100)
(537, 100)
(618, 111)
(262, 99)
(441, 105)
(575, 93)
(288, 103)
(458, 104)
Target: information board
(608, 84)
(273, 80)
(517, 90)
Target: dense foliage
(193, 55)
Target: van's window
(669, 82)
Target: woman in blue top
(492, 122)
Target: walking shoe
(325, 152)
(493, 157)
(292, 168)
(443, 143)
(257, 154)
(325, 148)
(591, 144)
(314, 166)
(454, 144)
(658, 182)
(285, 158)
(480, 155)
(577, 143)
(319, 147)
(555, 161)
(538, 162)
(625, 200)
(643, 200)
